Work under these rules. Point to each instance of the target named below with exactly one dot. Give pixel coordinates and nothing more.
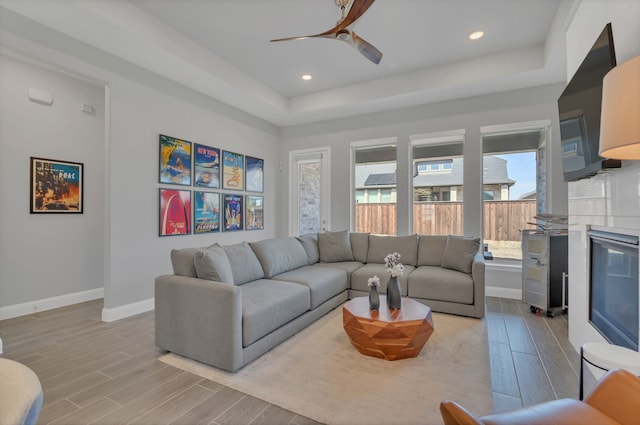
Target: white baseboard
(117, 313)
(31, 307)
(494, 291)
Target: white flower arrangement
(373, 281)
(394, 266)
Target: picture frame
(206, 212)
(175, 212)
(233, 212)
(206, 166)
(174, 161)
(254, 174)
(232, 170)
(57, 187)
(254, 212)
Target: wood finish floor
(108, 373)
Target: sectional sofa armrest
(199, 319)
(477, 274)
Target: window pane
(375, 178)
(309, 197)
(437, 193)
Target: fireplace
(613, 287)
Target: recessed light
(476, 35)
(307, 77)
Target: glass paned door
(309, 188)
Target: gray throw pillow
(212, 264)
(459, 252)
(182, 261)
(430, 249)
(360, 246)
(310, 244)
(244, 263)
(279, 255)
(335, 246)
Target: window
(437, 184)
(510, 189)
(374, 206)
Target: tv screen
(579, 107)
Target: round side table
(607, 357)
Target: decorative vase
(374, 298)
(394, 297)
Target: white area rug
(319, 374)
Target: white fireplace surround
(610, 202)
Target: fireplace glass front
(613, 294)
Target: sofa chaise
(227, 305)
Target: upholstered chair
(20, 394)
(614, 401)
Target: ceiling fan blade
(366, 48)
(355, 12)
(302, 37)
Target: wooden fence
(502, 220)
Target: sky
(521, 167)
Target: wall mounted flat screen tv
(579, 108)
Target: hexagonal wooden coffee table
(387, 334)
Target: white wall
(48, 255)
(140, 105)
(611, 199)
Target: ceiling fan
(342, 31)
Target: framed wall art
(254, 174)
(175, 161)
(254, 214)
(207, 166)
(175, 212)
(206, 212)
(233, 212)
(56, 186)
(232, 170)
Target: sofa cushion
(359, 246)
(244, 263)
(335, 246)
(212, 264)
(436, 283)
(310, 244)
(269, 304)
(430, 250)
(381, 246)
(347, 266)
(182, 261)
(459, 252)
(323, 282)
(279, 255)
(360, 277)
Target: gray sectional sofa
(227, 305)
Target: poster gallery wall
(222, 182)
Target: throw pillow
(244, 263)
(279, 255)
(430, 250)
(310, 244)
(360, 246)
(212, 264)
(182, 261)
(459, 252)
(381, 246)
(334, 246)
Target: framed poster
(56, 186)
(254, 214)
(254, 174)
(175, 161)
(206, 212)
(233, 212)
(175, 212)
(207, 166)
(232, 170)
